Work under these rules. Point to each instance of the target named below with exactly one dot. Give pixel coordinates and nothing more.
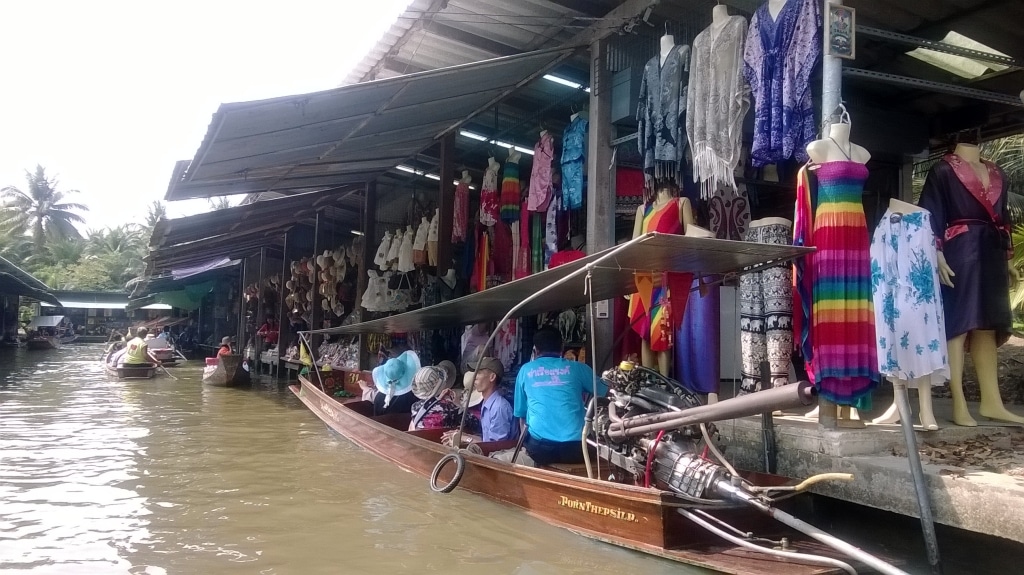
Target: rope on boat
(460, 468)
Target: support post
(924, 506)
(284, 324)
(240, 340)
(369, 228)
(261, 314)
(769, 447)
(601, 185)
(316, 316)
(445, 204)
(831, 97)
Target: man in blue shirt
(496, 421)
(550, 394)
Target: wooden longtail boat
(625, 515)
(40, 342)
(649, 430)
(227, 371)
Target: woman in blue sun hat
(393, 381)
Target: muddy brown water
(101, 476)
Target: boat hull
(228, 372)
(131, 372)
(43, 343)
(633, 517)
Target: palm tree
(220, 203)
(154, 213)
(42, 209)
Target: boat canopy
(45, 321)
(612, 274)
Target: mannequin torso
(664, 196)
(719, 16)
(837, 147)
(668, 43)
(466, 178)
(972, 155)
(513, 155)
(492, 163)
(774, 7)
(902, 207)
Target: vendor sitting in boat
(137, 350)
(438, 406)
(550, 397)
(225, 346)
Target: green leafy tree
(155, 212)
(219, 203)
(42, 210)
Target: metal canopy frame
(612, 274)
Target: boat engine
(659, 431)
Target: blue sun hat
(395, 376)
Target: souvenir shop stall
(741, 134)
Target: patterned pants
(766, 314)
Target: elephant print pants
(766, 311)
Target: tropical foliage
(37, 232)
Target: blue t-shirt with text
(549, 394)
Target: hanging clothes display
(510, 190)
(766, 311)
(501, 251)
(909, 323)
(699, 338)
(729, 212)
(574, 156)
(717, 100)
(523, 259)
(661, 134)
(405, 263)
(460, 217)
(432, 235)
(395, 248)
(540, 174)
(972, 225)
(419, 243)
(489, 210)
(551, 237)
(780, 56)
(652, 323)
(845, 355)
(381, 256)
(803, 271)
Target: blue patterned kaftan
(909, 322)
(779, 59)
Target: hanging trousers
(766, 311)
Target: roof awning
(346, 135)
(16, 281)
(44, 321)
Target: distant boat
(164, 351)
(134, 371)
(53, 340)
(225, 371)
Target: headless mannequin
(661, 360)
(719, 15)
(491, 163)
(774, 7)
(449, 278)
(466, 178)
(982, 341)
(835, 147)
(924, 392)
(513, 155)
(668, 43)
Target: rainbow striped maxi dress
(843, 320)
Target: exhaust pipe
(785, 397)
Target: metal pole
(768, 425)
(924, 506)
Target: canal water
(151, 477)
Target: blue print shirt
(549, 394)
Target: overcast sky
(107, 95)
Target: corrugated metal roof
(16, 281)
(346, 135)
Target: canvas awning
(346, 135)
(16, 281)
(44, 321)
(68, 304)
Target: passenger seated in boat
(138, 350)
(393, 381)
(225, 346)
(550, 395)
(496, 420)
(438, 406)
(165, 333)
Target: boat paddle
(167, 373)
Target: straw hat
(430, 381)
(226, 340)
(476, 398)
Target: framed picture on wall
(840, 32)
